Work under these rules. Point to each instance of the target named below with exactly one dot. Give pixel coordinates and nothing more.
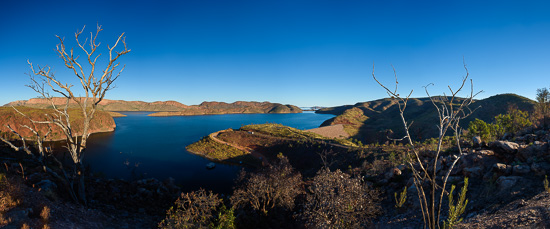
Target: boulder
(472, 172)
(48, 188)
(394, 172)
(507, 182)
(504, 147)
(486, 152)
(477, 141)
(541, 132)
(540, 168)
(521, 169)
(527, 153)
(502, 169)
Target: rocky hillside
(107, 105)
(209, 108)
(172, 108)
(506, 188)
(102, 122)
(372, 121)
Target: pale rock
(502, 169)
(392, 173)
(477, 141)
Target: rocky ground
(506, 190)
(506, 187)
(113, 203)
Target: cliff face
(240, 107)
(102, 122)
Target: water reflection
(143, 147)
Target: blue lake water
(144, 147)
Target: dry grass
(334, 131)
(10, 195)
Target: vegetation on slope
(278, 130)
(211, 108)
(380, 118)
(217, 151)
(171, 108)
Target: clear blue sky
(298, 52)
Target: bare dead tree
(337, 200)
(94, 84)
(278, 185)
(451, 110)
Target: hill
(106, 105)
(240, 107)
(102, 122)
(372, 121)
(171, 108)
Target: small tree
(94, 85)
(542, 107)
(480, 128)
(512, 122)
(451, 110)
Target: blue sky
(294, 52)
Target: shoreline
(227, 161)
(178, 113)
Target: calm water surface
(143, 147)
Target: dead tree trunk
(94, 85)
(451, 110)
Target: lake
(144, 147)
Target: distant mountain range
(171, 108)
(314, 108)
(240, 107)
(370, 121)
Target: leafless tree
(192, 210)
(337, 200)
(276, 186)
(451, 110)
(94, 85)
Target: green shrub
(455, 210)
(512, 122)
(402, 198)
(480, 128)
(226, 218)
